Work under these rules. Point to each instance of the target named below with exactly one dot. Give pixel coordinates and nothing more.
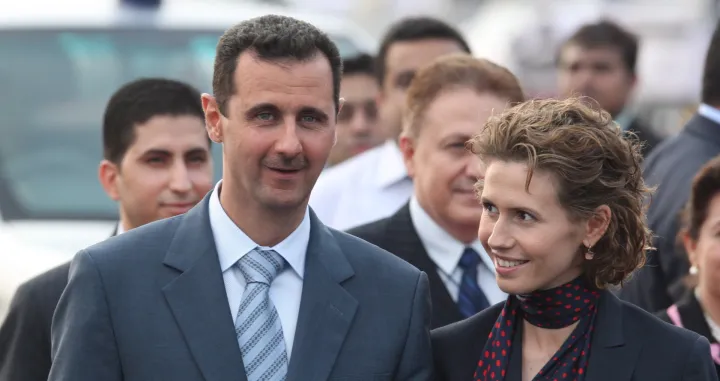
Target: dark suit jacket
(628, 344)
(150, 304)
(670, 167)
(646, 134)
(692, 316)
(397, 235)
(25, 333)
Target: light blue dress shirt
(286, 290)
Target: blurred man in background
(156, 164)
(671, 168)
(436, 231)
(358, 127)
(599, 61)
(375, 184)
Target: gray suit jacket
(150, 304)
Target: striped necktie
(258, 327)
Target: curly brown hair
(594, 164)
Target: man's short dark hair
(711, 73)
(271, 38)
(360, 64)
(607, 34)
(139, 101)
(415, 29)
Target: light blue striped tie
(258, 327)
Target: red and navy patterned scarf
(555, 308)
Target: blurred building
(525, 35)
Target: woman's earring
(693, 270)
(589, 254)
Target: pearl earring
(693, 270)
(589, 254)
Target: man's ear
(407, 148)
(108, 174)
(213, 118)
(341, 103)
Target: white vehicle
(60, 62)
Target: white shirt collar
(709, 112)
(391, 166)
(120, 229)
(444, 250)
(232, 243)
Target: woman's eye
(490, 208)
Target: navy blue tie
(471, 299)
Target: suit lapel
(326, 310)
(198, 300)
(612, 357)
(403, 241)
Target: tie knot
(261, 266)
(470, 259)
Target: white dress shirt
(286, 290)
(362, 189)
(709, 112)
(446, 251)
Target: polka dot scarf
(555, 308)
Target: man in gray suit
(249, 284)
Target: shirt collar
(444, 250)
(232, 243)
(709, 112)
(390, 165)
(120, 229)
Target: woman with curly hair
(563, 220)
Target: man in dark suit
(448, 102)
(156, 164)
(250, 285)
(599, 61)
(671, 168)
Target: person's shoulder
(50, 279)
(372, 231)
(663, 315)
(143, 243)
(371, 259)
(656, 328)
(44, 288)
(475, 327)
(680, 146)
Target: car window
(55, 87)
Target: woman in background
(563, 220)
(699, 309)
